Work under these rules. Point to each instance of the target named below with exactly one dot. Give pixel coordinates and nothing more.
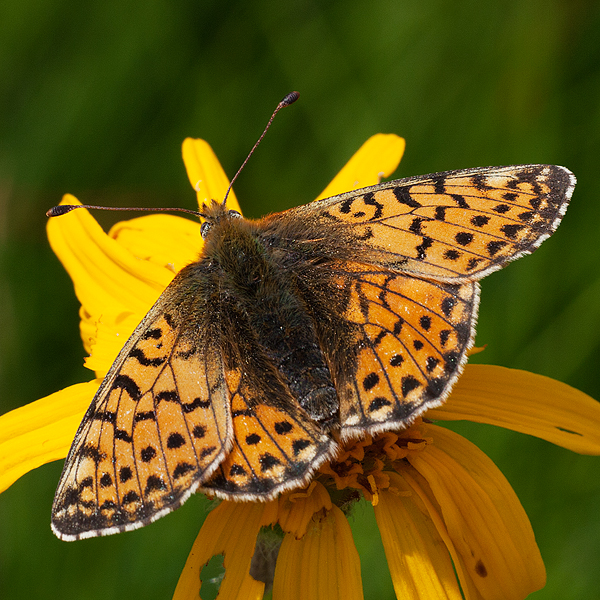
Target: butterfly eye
(234, 214)
(205, 228)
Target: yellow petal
(206, 173)
(164, 240)
(104, 338)
(525, 402)
(231, 530)
(42, 431)
(106, 276)
(483, 517)
(323, 565)
(419, 562)
(115, 287)
(297, 508)
(378, 157)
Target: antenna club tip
(290, 98)
(62, 209)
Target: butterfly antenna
(62, 209)
(289, 99)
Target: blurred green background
(95, 100)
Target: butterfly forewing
(453, 225)
(159, 423)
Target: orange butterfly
(346, 316)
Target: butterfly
(349, 315)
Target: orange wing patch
(275, 447)
(415, 335)
(454, 225)
(158, 425)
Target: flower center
(361, 467)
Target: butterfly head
(214, 214)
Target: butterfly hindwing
(158, 425)
(395, 342)
(415, 337)
(276, 445)
(455, 225)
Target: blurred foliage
(95, 99)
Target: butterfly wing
(276, 447)
(456, 225)
(395, 342)
(392, 274)
(158, 425)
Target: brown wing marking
(413, 338)
(276, 445)
(158, 425)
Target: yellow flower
(450, 523)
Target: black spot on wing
(369, 200)
(86, 482)
(106, 480)
(154, 482)
(511, 231)
(128, 385)
(480, 220)
(283, 427)
(130, 497)
(139, 355)
(463, 238)
(409, 383)
(299, 445)
(167, 396)
(404, 197)
(460, 201)
(422, 248)
(448, 303)
(196, 403)
(415, 226)
(147, 453)
(125, 474)
(175, 440)
(199, 432)
(440, 213)
(495, 246)
(90, 451)
(182, 469)
(452, 254)
(124, 436)
(370, 381)
(346, 206)
(396, 360)
(152, 334)
(267, 461)
(105, 416)
(378, 403)
(148, 415)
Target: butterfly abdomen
(266, 309)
